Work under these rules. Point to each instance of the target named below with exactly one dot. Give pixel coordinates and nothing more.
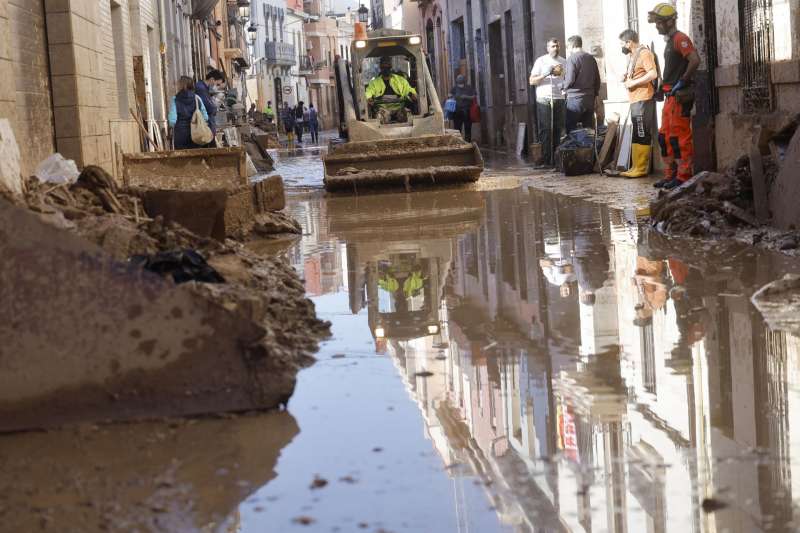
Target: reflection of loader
(417, 151)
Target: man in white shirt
(547, 75)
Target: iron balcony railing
(306, 65)
(280, 54)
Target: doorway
(498, 83)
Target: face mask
(386, 71)
(625, 51)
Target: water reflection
(593, 378)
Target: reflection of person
(547, 75)
(389, 94)
(559, 273)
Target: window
(757, 51)
(633, 15)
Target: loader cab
(405, 50)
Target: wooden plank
(624, 159)
(521, 129)
(606, 152)
(760, 194)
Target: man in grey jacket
(581, 85)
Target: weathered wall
(734, 128)
(27, 42)
(8, 106)
(86, 97)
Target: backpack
(201, 133)
(450, 106)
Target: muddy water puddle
(526, 362)
(501, 361)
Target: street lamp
(252, 32)
(244, 12)
(363, 14)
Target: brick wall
(27, 41)
(84, 61)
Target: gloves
(677, 87)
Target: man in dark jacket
(581, 85)
(203, 88)
(464, 95)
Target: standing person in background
(680, 63)
(463, 94)
(547, 75)
(638, 79)
(181, 109)
(313, 123)
(581, 85)
(204, 88)
(287, 119)
(299, 113)
(268, 112)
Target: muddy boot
(673, 183)
(660, 183)
(640, 157)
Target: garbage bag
(56, 169)
(182, 265)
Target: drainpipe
(163, 53)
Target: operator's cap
(663, 10)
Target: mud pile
(237, 345)
(737, 203)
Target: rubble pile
(739, 203)
(279, 327)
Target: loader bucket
(426, 160)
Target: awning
(202, 8)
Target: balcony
(280, 54)
(306, 65)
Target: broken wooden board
(760, 191)
(609, 144)
(624, 158)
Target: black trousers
(463, 124)
(643, 119)
(580, 110)
(550, 133)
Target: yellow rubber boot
(640, 157)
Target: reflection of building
(614, 407)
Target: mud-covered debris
(779, 302)
(181, 266)
(275, 223)
(318, 483)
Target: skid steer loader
(380, 153)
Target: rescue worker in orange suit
(681, 62)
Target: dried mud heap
(97, 327)
(749, 202)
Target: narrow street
(505, 356)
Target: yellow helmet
(663, 10)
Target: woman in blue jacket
(181, 109)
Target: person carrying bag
(188, 118)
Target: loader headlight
(415, 40)
(361, 44)
(433, 330)
(380, 333)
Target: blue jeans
(580, 110)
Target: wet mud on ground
(502, 360)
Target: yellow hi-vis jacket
(399, 84)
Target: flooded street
(513, 360)
(502, 359)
